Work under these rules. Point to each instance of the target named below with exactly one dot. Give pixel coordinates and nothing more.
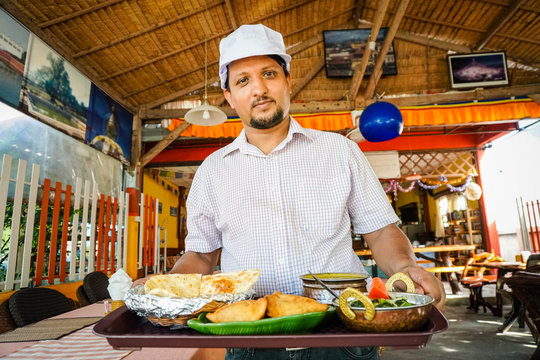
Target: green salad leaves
(380, 303)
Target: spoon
(324, 285)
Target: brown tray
(125, 329)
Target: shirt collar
(241, 143)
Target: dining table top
(503, 265)
(435, 248)
(9, 350)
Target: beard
(267, 122)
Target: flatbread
(245, 310)
(231, 282)
(174, 285)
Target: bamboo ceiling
(148, 54)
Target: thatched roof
(147, 53)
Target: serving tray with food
(217, 316)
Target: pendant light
(205, 114)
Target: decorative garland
(395, 186)
(431, 184)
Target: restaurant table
(503, 268)
(84, 336)
(446, 260)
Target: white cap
(250, 40)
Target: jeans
(347, 353)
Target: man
(282, 198)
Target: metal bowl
(390, 319)
(338, 282)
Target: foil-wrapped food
(172, 299)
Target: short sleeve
(368, 204)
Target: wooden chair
(95, 286)
(526, 287)
(474, 279)
(30, 305)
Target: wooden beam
(426, 41)
(153, 27)
(136, 141)
(161, 57)
(498, 22)
(308, 77)
(471, 95)
(230, 12)
(52, 41)
(169, 79)
(175, 52)
(147, 157)
(326, 19)
(177, 94)
(361, 68)
(295, 108)
(535, 97)
(532, 91)
(377, 69)
(359, 7)
(294, 49)
(79, 13)
(192, 88)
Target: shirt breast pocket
(321, 204)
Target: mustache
(260, 99)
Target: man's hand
(426, 283)
(189, 263)
(141, 281)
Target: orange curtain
(412, 116)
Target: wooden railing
(69, 240)
(529, 214)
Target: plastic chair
(95, 286)
(478, 280)
(30, 305)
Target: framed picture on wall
(174, 211)
(477, 70)
(344, 49)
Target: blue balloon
(381, 121)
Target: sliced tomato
(378, 289)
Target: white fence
(93, 235)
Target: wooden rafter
(463, 27)
(136, 141)
(377, 69)
(359, 7)
(230, 12)
(52, 41)
(177, 94)
(146, 30)
(497, 23)
(79, 13)
(161, 57)
(322, 106)
(192, 45)
(291, 51)
(361, 68)
(148, 156)
(194, 87)
(308, 77)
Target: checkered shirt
(287, 212)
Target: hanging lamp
(205, 114)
